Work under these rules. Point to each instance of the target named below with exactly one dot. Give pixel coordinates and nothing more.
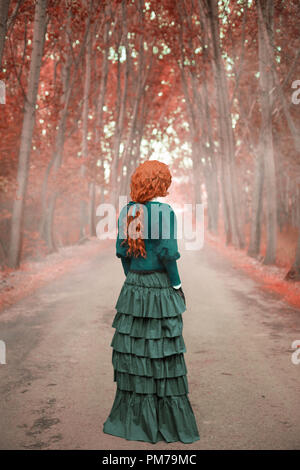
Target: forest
(89, 89)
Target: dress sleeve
(125, 264)
(121, 249)
(172, 270)
(168, 248)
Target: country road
(57, 387)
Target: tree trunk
(135, 155)
(257, 198)
(212, 190)
(297, 258)
(85, 112)
(4, 6)
(39, 31)
(48, 213)
(265, 16)
(265, 19)
(98, 129)
(91, 209)
(294, 273)
(120, 114)
(56, 160)
(142, 74)
(210, 169)
(227, 144)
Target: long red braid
(150, 179)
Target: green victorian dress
(151, 403)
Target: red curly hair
(150, 179)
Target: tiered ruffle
(151, 402)
(149, 418)
(148, 328)
(170, 366)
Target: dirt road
(57, 387)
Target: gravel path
(57, 387)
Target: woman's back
(160, 237)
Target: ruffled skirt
(151, 403)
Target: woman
(151, 402)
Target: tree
(39, 31)
(4, 6)
(265, 17)
(227, 142)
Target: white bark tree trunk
(39, 31)
(85, 112)
(265, 19)
(227, 144)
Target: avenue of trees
(92, 88)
